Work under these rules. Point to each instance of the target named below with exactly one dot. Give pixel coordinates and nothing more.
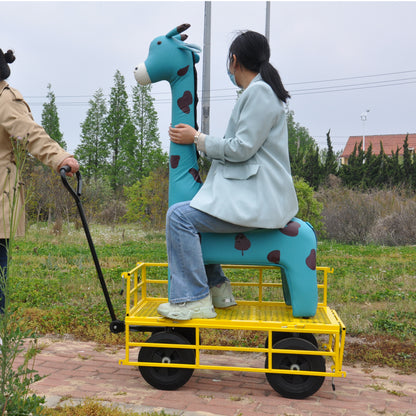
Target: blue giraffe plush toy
(173, 60)
(292, 248)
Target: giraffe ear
(189, 47)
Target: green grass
(55, 287)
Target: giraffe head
(168, 56)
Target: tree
(298, 137)
(407, 167)
(302, 150)
(371, 169)
(50, 118)
(312, 170)
(395, 173)
(93, 152)
(330, 159)
(119, 134)
(413, 177)
(353, 172)
(147, 154)
(383, 166)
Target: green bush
(310, 208)
(147, 200)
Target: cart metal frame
(262, 315)
(295, 359)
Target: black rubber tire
(295, 386)
(188, 333)
(277, 336)
(165, 378)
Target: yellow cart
(295, 349)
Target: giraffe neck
(183, 99)
(184, 180)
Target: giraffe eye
(159, 43)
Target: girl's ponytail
(270, 75)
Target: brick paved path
(77, 370)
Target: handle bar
(63, 171)
(116, 325)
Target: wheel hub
(295, 367)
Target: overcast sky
(337, 59)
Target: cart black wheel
(188, 333)
(278, 336)
(295, 386)
(165, 378)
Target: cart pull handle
(116, 325)
(63, 171)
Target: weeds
(382, 217)
(15, 397)
(93, 408)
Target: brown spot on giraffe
(185, 101)
(311, 260)
(174, 161)
(274, 256)
(181, 72)
(195, 175)
(291, 229)
(242, 243)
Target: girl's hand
(182, 134)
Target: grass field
(55, 288)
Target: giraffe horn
(184, 37)
(177, 30)
(183, 27)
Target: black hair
(252, 50)
(5, 59)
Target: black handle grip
(63, 171)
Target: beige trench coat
(17, 126)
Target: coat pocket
(240, 171)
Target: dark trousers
(3, 271)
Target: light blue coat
(249, 182)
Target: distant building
(390, 144)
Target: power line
(351, 87)
(350, 78)
(295, 92)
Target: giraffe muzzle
(141, 74)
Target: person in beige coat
(17, 127)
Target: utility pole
(364, 119)
(206, 86)
(267, 30)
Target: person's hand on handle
(72, 163)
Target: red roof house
(390, 144)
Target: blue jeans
(190, 279)
(3, 272)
